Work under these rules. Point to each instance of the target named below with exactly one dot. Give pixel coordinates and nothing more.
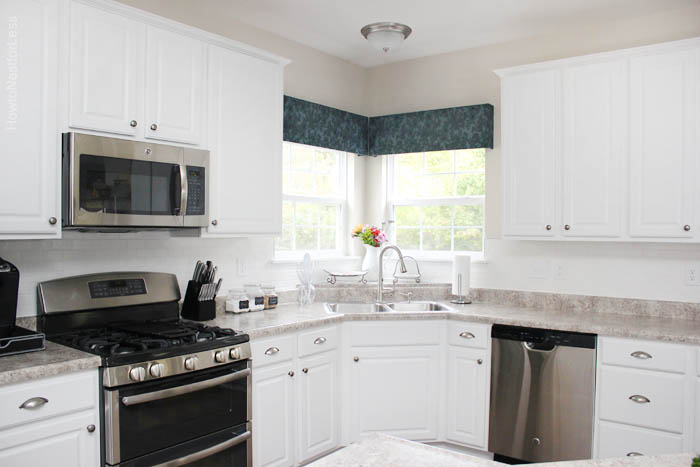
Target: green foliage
(696, 462)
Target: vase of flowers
(372, 239)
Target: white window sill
(432, 258)
(321, 258)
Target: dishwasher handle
(539, 346)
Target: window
(436, 200)
(314, 197)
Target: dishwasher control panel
(544, 337)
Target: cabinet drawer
(318, 340)
(63, 394)
(664, 392)
(273, 350)
(643, 354)
(619, 440)
(374, 334)
(465, 334)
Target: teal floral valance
(432, 130)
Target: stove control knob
(235, 353)
(137, 374)
(220, 356)
(191, 363)
(157, 370)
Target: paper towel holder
(460, 299)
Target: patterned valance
(432, 130)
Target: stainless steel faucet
(380, 277)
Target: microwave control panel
(196, 191)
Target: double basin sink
(358, 308)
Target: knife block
(195, 310)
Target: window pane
(302, 157)
(471, 184)
(436, 239)
(440, 161)
(326, 161)
(285, 241)
(307, 214)
(306, 238)
(470, 160)
(329, 214)
(287, 212)
(469, 215)
(434, 186)
(408, 238)
(325, 185)
(409, 164)
(302, 183)
(328, 237)
(408, 215)
(468, 239)
(437, 215)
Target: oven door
(111, 182)
(145, 418)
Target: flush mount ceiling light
(386, 36)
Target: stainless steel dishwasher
(542, 393)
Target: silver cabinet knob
(466, 335)
(320, 340)
(356, 359)
(91, 428)
(548, 227)
(272, 351)
(52, 220)
(220, 356)
(137, 373)
(154, 127)
(214, 222)
(305, 370)
(639, 399)
(191, 363)
(291, 374)
(567, 227)
(686, 228)
(640, 354)
(536, 441)
(157, 370)
(34, 403)
(133, 123)
(480, 361)
(634, 454)
(235, 353)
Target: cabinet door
(594, 148)
(467, 396)
(530, 104)
(175, 71)
(273, 416)
(663, 144)
(30, 188)
(106, 70)
(245, 105)
(395, 391)
(696, 443)
(58, 442)
(318, 405)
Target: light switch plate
(242, 267)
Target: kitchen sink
(417, 306)
(356, 308)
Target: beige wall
(312, 75)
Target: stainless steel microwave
(111, 183)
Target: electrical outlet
(692, 274)
(559, 272)
(242, 267)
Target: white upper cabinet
(594, 148)
(106, 71)
(530, 141)
(30, 190)
(175, 79)
(245, 140)
(664, 144)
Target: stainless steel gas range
(174, 392)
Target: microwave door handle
(179, 390)
(183, 190)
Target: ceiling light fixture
(386, 36)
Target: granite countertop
(54, 360)
(381, 450)
(292, 317)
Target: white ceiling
(439, 26)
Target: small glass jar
(237, 301)
(271, 298)
(257, 297)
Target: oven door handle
(217, 448)
(177, 391)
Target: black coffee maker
(13, 339)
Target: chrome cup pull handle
(634, 454)
(639, 399)
(467, 335)
(320, 340)
(272, 351)
(34, 403)
(641, 355)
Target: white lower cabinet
(273, 416)
(61, 431)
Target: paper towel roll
(461, 265)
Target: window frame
(392, 201)
(340, 201)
